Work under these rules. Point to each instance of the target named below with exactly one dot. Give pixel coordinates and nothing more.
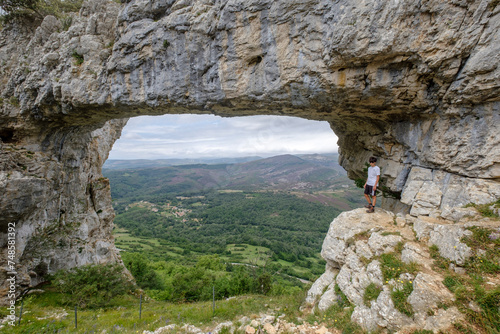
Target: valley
(262, 217)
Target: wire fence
(140, 307)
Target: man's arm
(376, 183)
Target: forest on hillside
(290, 227)
(245, 233)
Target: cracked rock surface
(358, 262)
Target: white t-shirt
(372, 175)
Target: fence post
(140, 307)
(213, 299)
(21, 312)
(76, 318)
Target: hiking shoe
(371, 209)
(368, 206)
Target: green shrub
(92, 286)
(400, 299)
(264, 283)
(372, 292)
(439, 261)
(399, 247)
(465, 329)
(142, 271)
(78, 58)
(342, 300)
(16, 6)
(340, 317)
(60, 7)
(66, 22)
(452, 282)
(210, 262)
(392, 266)
(193, 285)
(423, 331)
(360, 183)
(485, 241)
(14, 9)
(434, 251)
(485, 209)
(490, 303)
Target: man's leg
(368, 192)
(368, 199)
(372, 207)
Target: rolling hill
(284, 172)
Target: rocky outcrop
(415, 83)
(264, 323)
(40, 187)
(363, 249)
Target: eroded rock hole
(7, 135)
(255, 60)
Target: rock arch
(414, 83)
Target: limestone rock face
(416, 84)
(42, 184)
(359, 263)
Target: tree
(210, 262)
(92, 285)
(39, 8)
(143, 273)
(11, 7)
(265, 280)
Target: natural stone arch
(416, 85)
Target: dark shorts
(369, 190)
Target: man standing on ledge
(371, 184)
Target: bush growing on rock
(400, 299)
(36, 8)
(372, 292)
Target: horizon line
(225, 157)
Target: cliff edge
(408, 273)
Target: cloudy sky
(208, 136)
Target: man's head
(372, 160)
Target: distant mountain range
(145, 163)
(284, 172)
(325, 159)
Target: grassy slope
(43, 314)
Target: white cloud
(194, 136)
